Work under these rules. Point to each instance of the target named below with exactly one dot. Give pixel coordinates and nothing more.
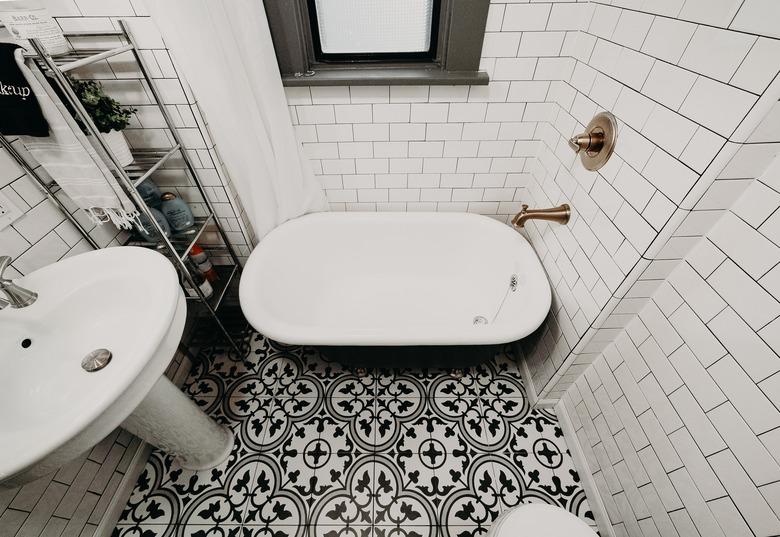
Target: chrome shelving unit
(145, 164)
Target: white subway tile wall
(703, 353)
(446, 148)
(43, 235)
(698, 119)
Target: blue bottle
(149, 232)
(177, 212)
(150, 193)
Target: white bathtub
(389, 279)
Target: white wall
(689, 82)
(443, 148)
(678, 418)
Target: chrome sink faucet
(15, 296)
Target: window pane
(371, 26)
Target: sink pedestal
(169, 420)
(128, 301)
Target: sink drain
(96, 360)
(479, 319)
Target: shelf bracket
(95, 58)
(156, 166)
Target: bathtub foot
(456, 373)
(360, 371)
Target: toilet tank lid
(541, 520)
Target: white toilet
(539, 520)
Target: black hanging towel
(19, 109)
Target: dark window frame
(454, 58)
(374, 57)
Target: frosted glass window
(374, 26)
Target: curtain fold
(224, 51)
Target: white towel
(72, 162)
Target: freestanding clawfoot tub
(394, 279)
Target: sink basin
(126, 300)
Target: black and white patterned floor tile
(322, 452)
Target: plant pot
(118, 144)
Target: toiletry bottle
(200, 279)
(148, 231)
(203, 263)
(150, 193)
(177, 212)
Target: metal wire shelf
(226, 275)
(145, 164)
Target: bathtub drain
(479, 319)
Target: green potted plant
(109, 116)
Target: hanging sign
(25, 21)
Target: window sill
(387, 77)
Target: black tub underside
(412, 356)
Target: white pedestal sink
(126, 300)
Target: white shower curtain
(225, 52)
